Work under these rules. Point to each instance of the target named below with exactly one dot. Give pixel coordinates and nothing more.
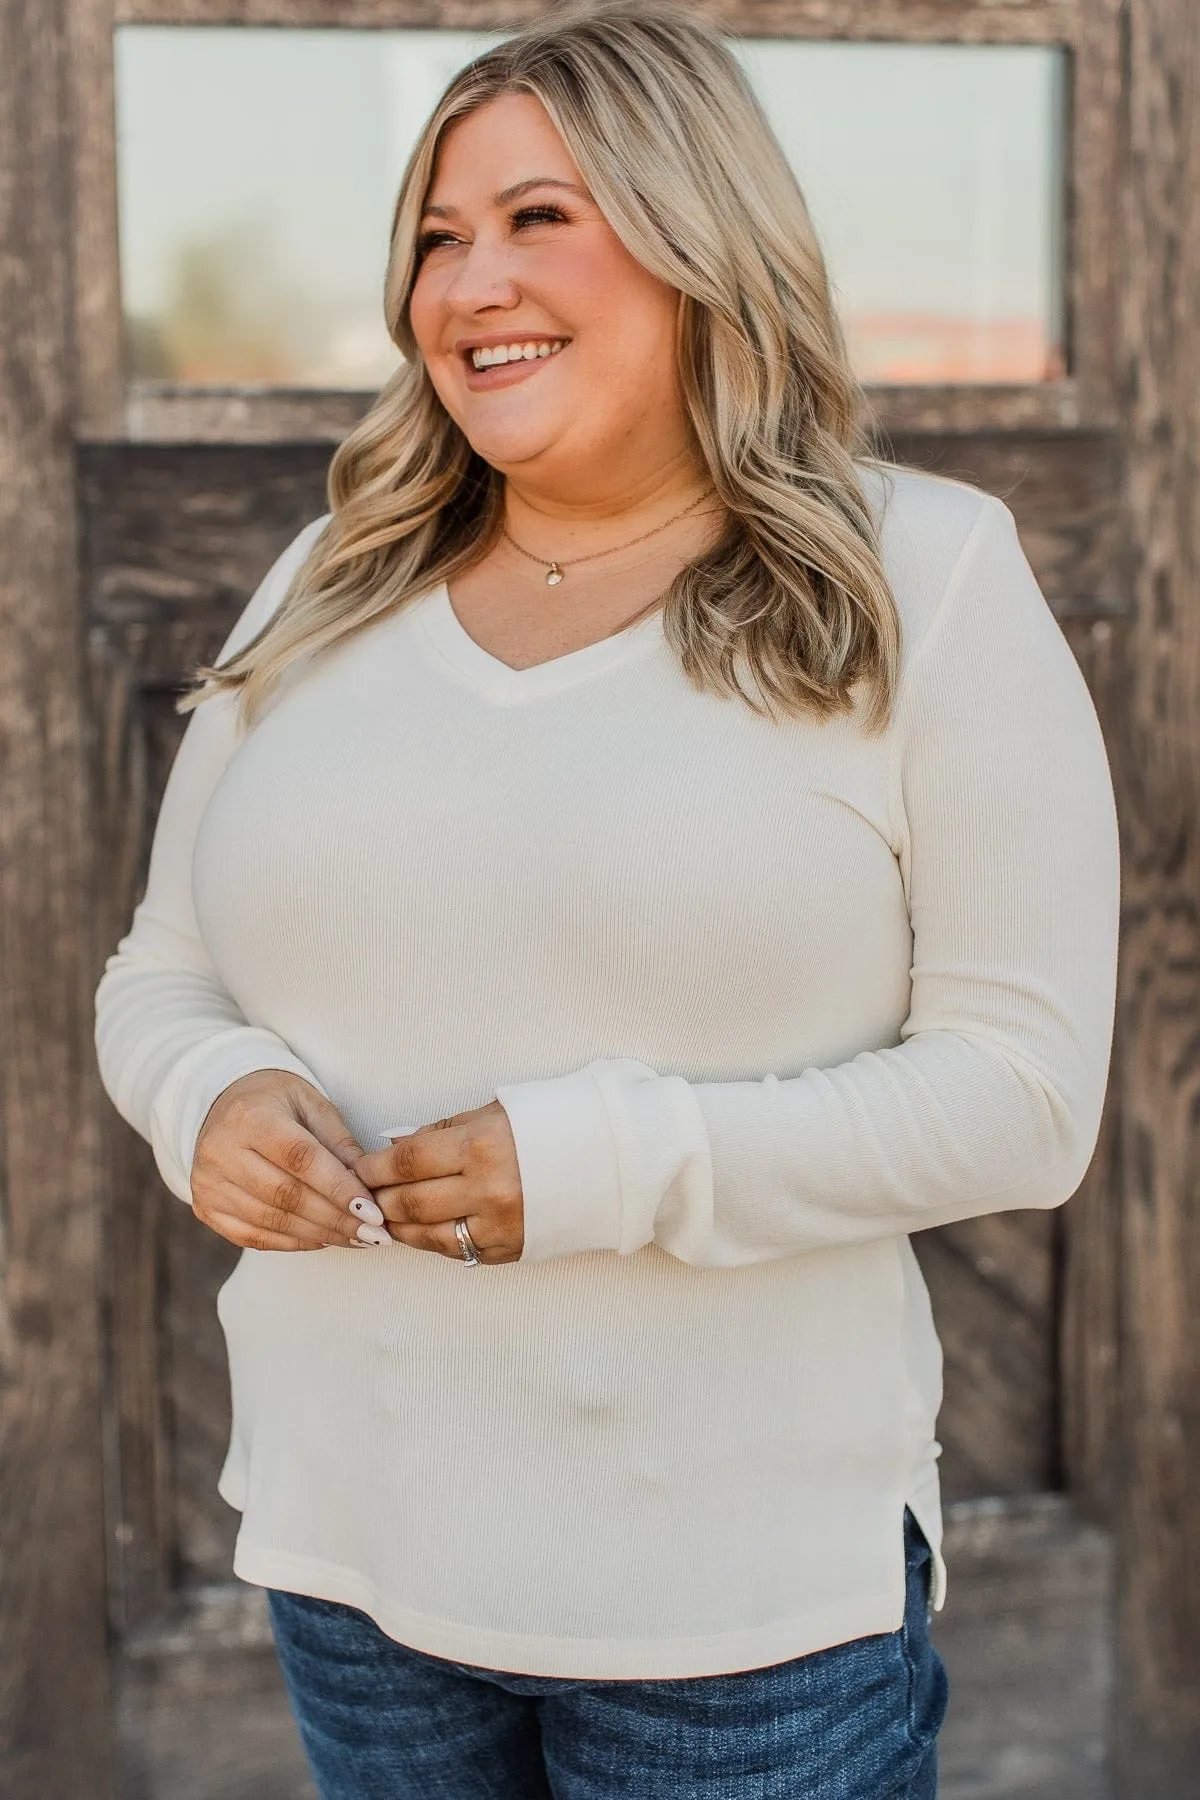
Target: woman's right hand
(271, 1170)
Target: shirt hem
(594, 1659)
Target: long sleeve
(1005, 832)
(169, 1037)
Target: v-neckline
(450, 638)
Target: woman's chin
(507, 445)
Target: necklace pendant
(553, 575)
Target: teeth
(506, 353)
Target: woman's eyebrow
(511, 193)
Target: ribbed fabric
(760, 999)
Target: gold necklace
(557, 571)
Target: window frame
(109, 408)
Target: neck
(598, 515)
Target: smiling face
(516, 255)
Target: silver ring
(470, 1253)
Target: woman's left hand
(461, 1167)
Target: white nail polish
(397, 1131)
(367, 1209)
(372, 1234)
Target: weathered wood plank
(138, 1477)
(978, 408)
(1089, 1327)
(196, 1392)
(1090, 256)
(54, 1725)
(90, 125)
(174, 541)
(1158, 1685)
(1064, 489)
(166, 413)
(993, 1285)
(966, 21)
(172, 530)
(192, 545)
(157, 412)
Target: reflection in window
(258, 170)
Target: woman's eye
(551, 213)
(430, 240)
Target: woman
(702, 835)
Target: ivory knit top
(759, 998)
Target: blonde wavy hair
(679, 156)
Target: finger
(249, 1237)
(424, 1202)
(434, 1151)
(231, 1202)
(443, 1241)
(286, 1200)
(327, 1124)
(261, 1217)
(295, 1151)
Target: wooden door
(135, 519)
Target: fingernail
(371, 1234)
(395, 1131)
(367, 1209)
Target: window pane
(258, 170)
(933, 173)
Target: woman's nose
(483, 277)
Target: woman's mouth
(499, 365)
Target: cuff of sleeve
(570, 1174)
(183, 1101)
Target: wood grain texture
(168, 559)
(137, 1475)
(967, 21)
(1091, 246)
(195, 1381)
(167, 413)
(1089, 1308)
(171, 526)
(160, 412)
(1158, 1685)
(1064, 489)
(993, 1285)
(988, 407)
(54, 1724)
(173, 541)
(89, 123)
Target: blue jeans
(858, 1721)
